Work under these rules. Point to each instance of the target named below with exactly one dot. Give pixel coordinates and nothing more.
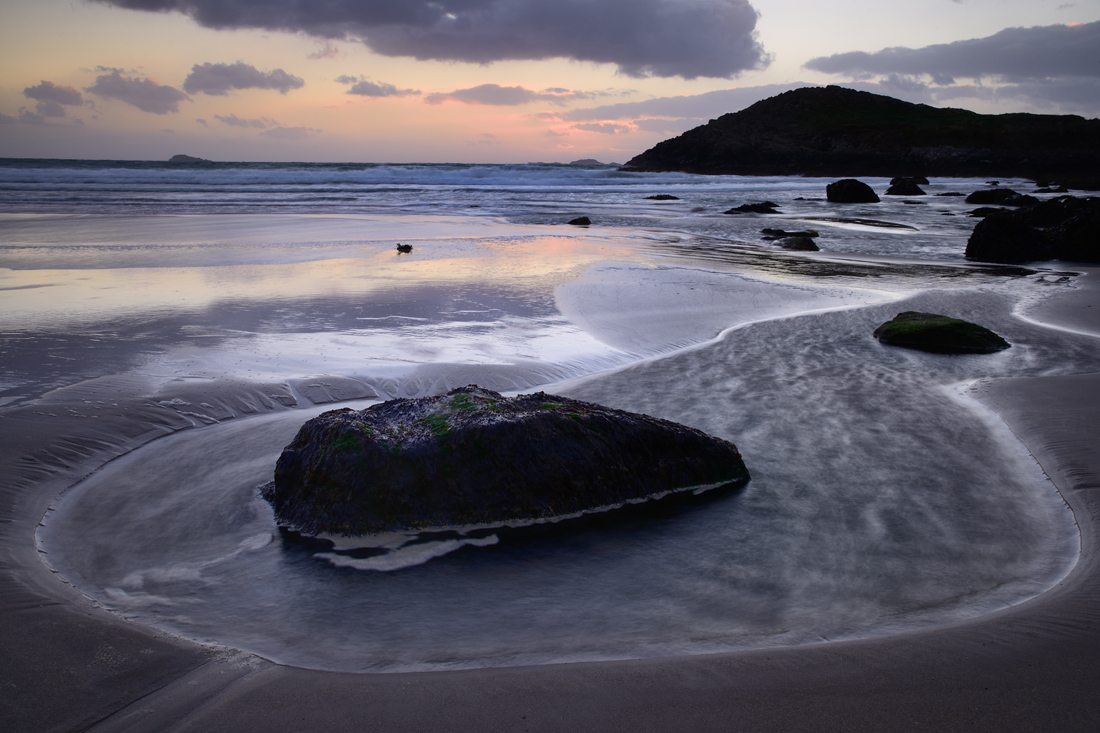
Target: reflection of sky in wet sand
(818, 545)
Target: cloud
(666, 126)
(235, 121)
(606, 128)
(327, 51)
(47, 91)
(496, 95)
(362, 87)
(1011, 55)
(25, 117)
(686, 38)
(50, 109)
(219, 79)
(145, 94)
(698, 106)
(290, 133)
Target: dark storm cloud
(496, 95)
(47, 91)
(1013, 55)
(145, 94)
(362, 87)
(220, 79)
(687, 38)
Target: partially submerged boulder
(1002, 197)
(798, 244)
(581, 221)
(939, 334)
(850, 191)
(761, 207)
(474, 458)
(772, 233)
(905, 187)
(1064, 228)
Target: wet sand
(70, 665)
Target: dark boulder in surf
(1002, 197)
(798, 244)
(761, 207)
(905, 187)
(850, 191)
(1064, 228)
(939, 334)
(580, 221)
(472, 457)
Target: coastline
(71, 665)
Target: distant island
(187, 159)
(833, 131)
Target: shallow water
(881, 499)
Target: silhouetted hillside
(833, 131)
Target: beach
(916, 547)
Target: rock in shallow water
(473, 457)
(939, 334)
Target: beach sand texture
(602, 319)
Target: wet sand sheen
(262, 685)
(880, 502)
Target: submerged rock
(762, 207)
(939, 334)
(850, 191)
(663, 197)
(473, 457)
(772, 233)
(798, 244)
(580, 221)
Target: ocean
(244, 298)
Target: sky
(498, 81)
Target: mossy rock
(939, 334)
(474, 458)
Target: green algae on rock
(474, 458)
(939, 334)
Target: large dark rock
(850, 191)
(1001, 196)
(798, 244)
(581, 221)
(833, 131)
(472, 457)
(181, 158)
(905, 187)
(939, 334)
(1065, 228)
(761, 207)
